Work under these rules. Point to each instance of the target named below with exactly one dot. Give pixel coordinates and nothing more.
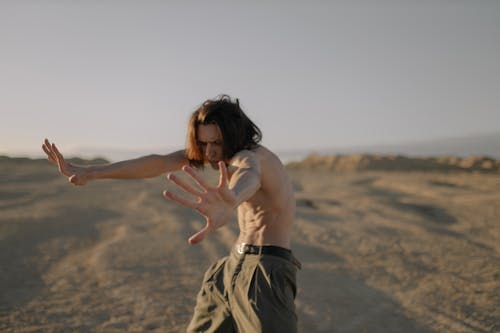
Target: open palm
(215, 203)
(75, 174)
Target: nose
(209, 150)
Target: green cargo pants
(247, 293)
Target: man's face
(210, 141)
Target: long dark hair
(238, 131)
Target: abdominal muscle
(267, 217)
(260, 225)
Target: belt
(269, 250)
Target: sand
(381, 252)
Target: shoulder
(175, 160)
(243, 155)
(260, 154)
(259, 158)
(245, 159)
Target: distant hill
(27, 160)
(365, 162)
(473, 145)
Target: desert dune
(383, 249)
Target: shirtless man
(253, 288)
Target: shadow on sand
(23, 259)
(334, 300)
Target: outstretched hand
(76, 175)
(216, 204)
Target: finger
(199, 236)
(53, 150)
(59, 159)
(46, 149)
(46, 142)
(223, 175)
(49, 154)
(179, 199)
(183, 185)
(48, 146)
(57, 153)
(73, 179)
(223, 188)
(190, 171)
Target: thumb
(73, 179)
(199, 236)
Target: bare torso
(267, 217)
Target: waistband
(272, 250)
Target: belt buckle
(241, 248)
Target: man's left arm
(246, 176)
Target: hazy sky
(311, 74)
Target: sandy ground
(381, 252)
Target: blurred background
(118, 79)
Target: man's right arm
(142, 167)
